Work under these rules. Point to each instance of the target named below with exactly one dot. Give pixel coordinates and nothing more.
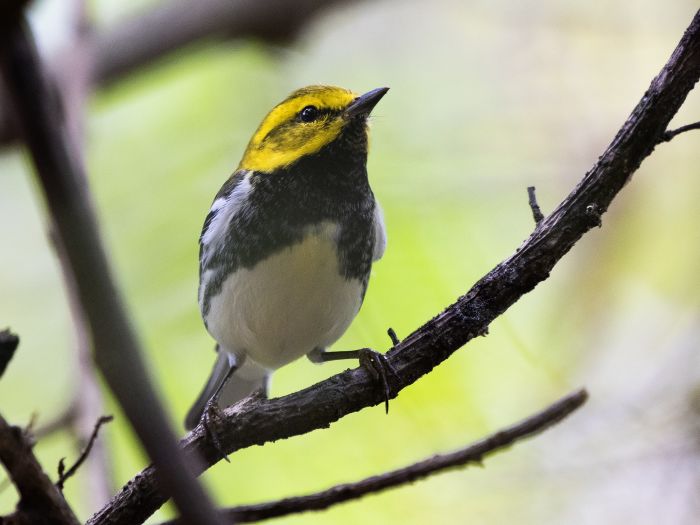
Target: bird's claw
(211, 418)
(378, 366)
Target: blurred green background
(487, 97)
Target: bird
(288, 244)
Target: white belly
(288, 304)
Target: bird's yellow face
(302, 124)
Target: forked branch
(40, 501)
(670, 134)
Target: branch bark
(474, 453)
(255, 422)
(41, 503)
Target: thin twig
(473, 453)
(8, 345)
(532, 200)
(327, 401)
(668, 135)
(63, 474)
(392, 335)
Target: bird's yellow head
(303, 123)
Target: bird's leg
(374, 362)
(212, 413)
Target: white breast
(288, 304)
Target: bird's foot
(211, 420)
(379, 367)
(375, 363)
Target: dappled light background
(486, 98)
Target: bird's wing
(379, 233)
(214, 255)
(229, 201)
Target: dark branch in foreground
(473, 453)
(147, 36)
(8, 345)
(254, 423)
(532, 201)
(63, 474)
(40, 501)
(115, 345)
(87, 405)
(670, 134)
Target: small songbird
(287, 247)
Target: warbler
(287, 247)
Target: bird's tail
(247, 378)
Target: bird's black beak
(364, 104)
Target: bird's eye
(309, 114)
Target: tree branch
(473, 453)
(74, 85)
(258, 422)
(63, 474)
(116, 349)
(534, 207)
(145, 37)
(670, 134)
(40, 501)
(8, 345)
